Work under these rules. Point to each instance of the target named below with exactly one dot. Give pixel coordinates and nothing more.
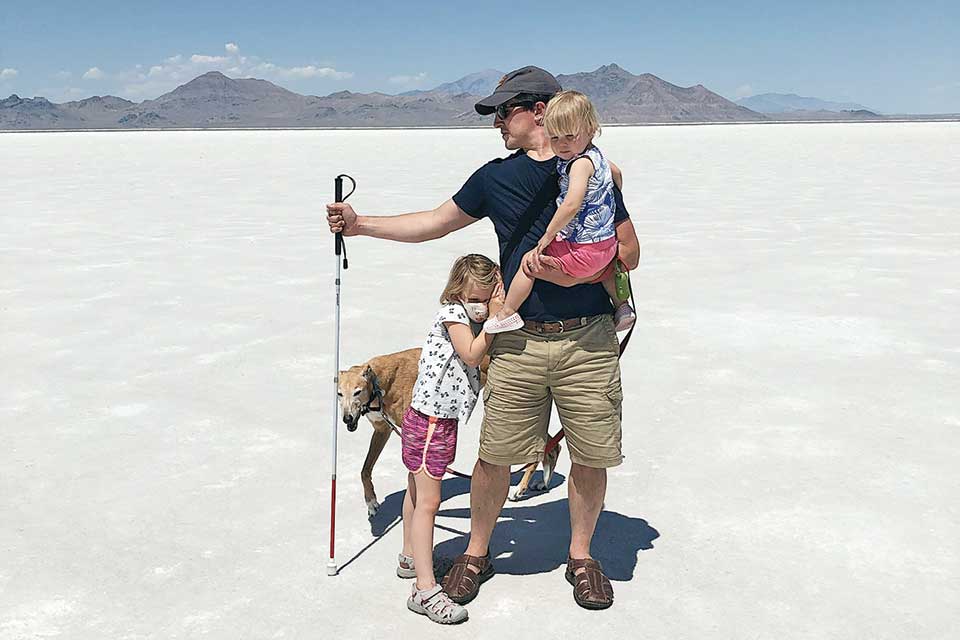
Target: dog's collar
(376, 395)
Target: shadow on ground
(535, 539)
(391, 509)
(530, 539)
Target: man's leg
(516, 412)
(488, 492)
(587, 488)
(588, 396)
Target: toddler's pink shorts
(580, 260)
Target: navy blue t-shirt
(503, 190)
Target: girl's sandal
(436, 605)
(405, 568)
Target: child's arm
(470, 349)
(580, 172)
(617, 175)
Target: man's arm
(628, 247)
(408, 227)
(617, 175)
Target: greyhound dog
(382, 389)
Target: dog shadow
(391, 509)
(535, 539)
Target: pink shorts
(580, 260)
(429, 443)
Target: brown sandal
(591, 589)
(463, 584)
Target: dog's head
(355, 390)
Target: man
(566, 353)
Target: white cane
(338, 248)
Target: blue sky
(892, 56)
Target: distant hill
(623, 97)
(481, 83)
(788, 102)
(35, 113)
(214, 100)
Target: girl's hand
(497, 298)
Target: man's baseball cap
(525, 80)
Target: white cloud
(419, 78)
(200, 59)
(232, 48)
(743, 91)
(8, 74)
(63, 75)
(93, 73)
(312, 71)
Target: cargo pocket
(615, 396)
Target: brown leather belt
(556, 327)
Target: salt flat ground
(790, 423)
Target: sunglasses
(504, 110)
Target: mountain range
(792, 105)
(213, 100)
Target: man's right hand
(342, 219)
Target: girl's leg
(520, 289)
(409, 502)
(421, 534)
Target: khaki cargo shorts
(529, 372)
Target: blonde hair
(473, 267)
(571, 112)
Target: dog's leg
(377, 441)
(549, 464)
(521, 491)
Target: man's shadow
(535, 539)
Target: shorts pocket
(615, 396)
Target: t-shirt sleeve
(453, 313)
(621, 212)
(472, 195)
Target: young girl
(448, 383)
(581, 235)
